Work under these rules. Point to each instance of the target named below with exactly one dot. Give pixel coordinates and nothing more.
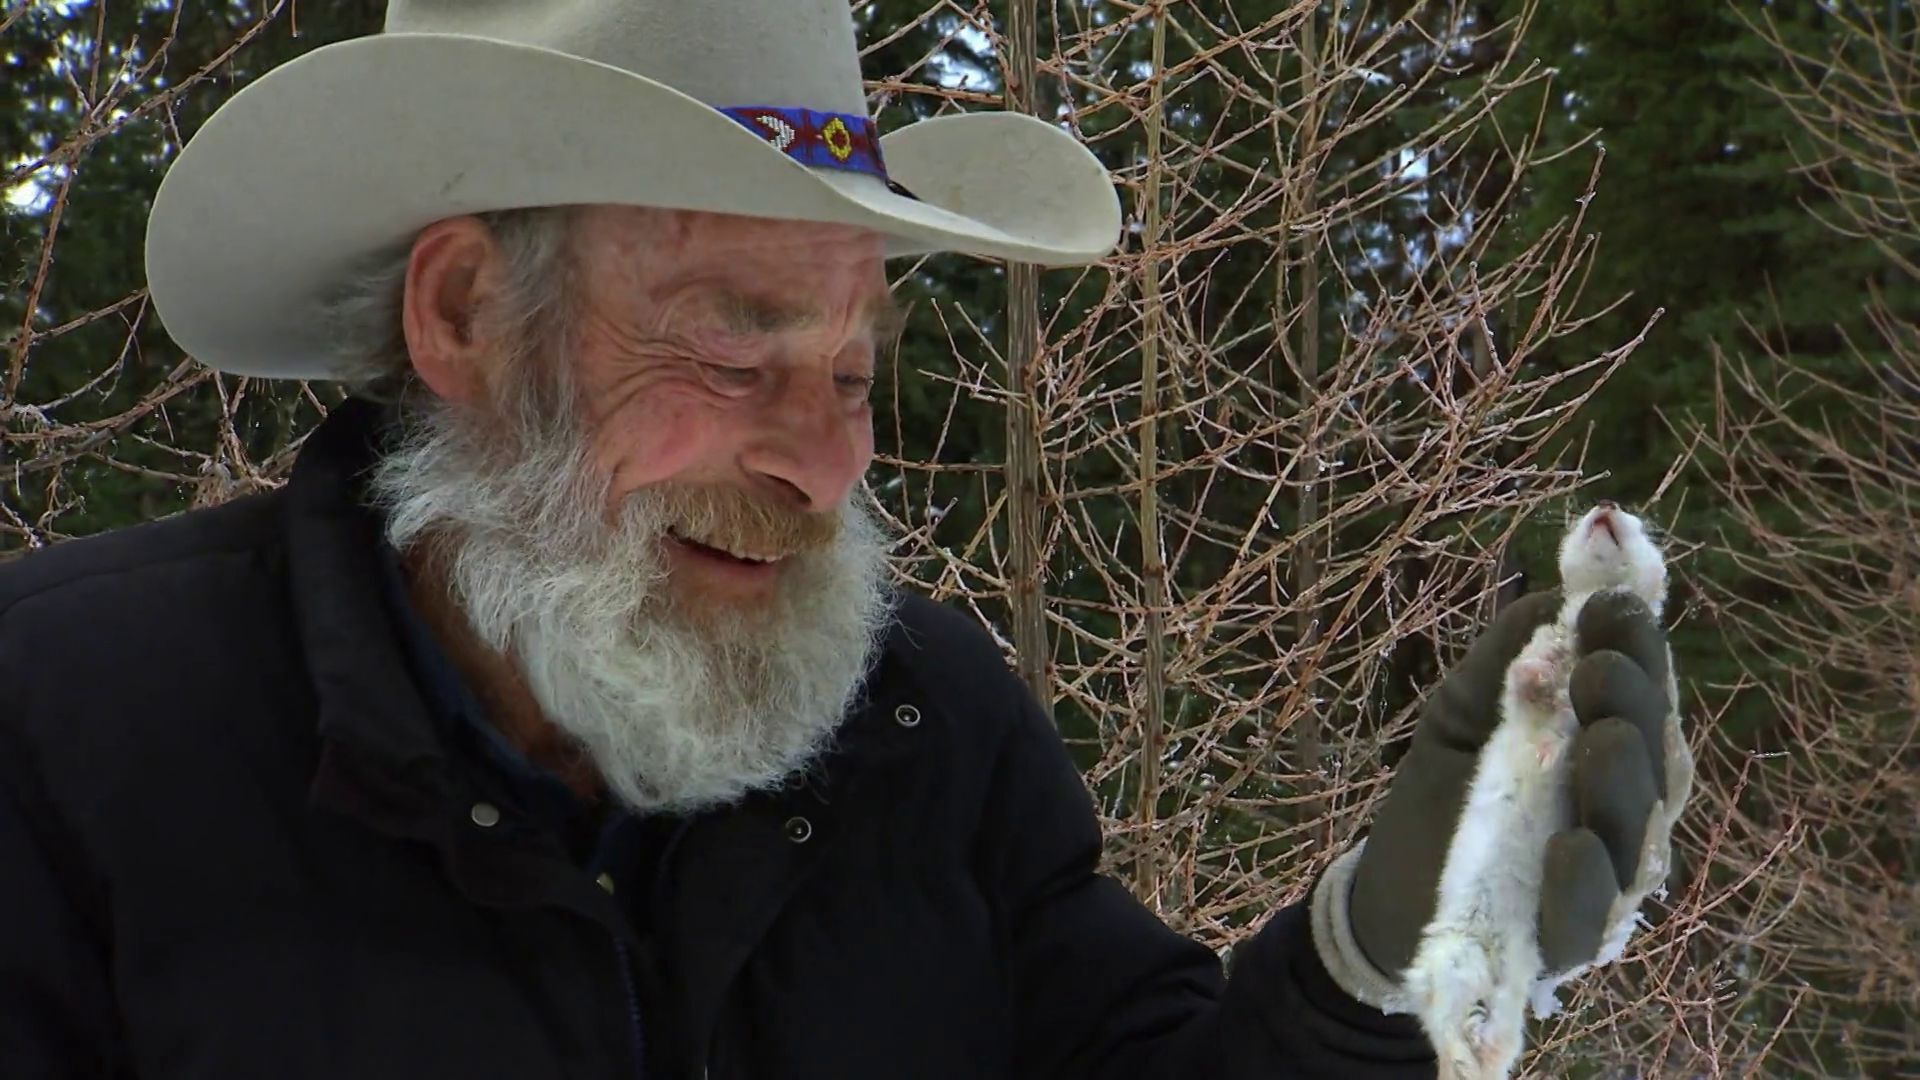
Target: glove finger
(1621, 622)
(1464, 709)
(1577, 890)
(1396, 884)
(1613, 791)
(1609, 685)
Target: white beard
(678, 710)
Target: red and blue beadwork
(825, 139)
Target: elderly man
(555, 719)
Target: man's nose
(811, 446)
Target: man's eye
(733, 376)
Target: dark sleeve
(1104, 989)
(56, 1006)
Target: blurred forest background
(1405, 285)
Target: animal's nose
(1603, 523)
(1608, 504)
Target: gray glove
(1631, 773)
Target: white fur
(1479, 962)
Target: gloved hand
(1631, 772)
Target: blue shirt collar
(463, 719)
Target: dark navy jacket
(239, 840)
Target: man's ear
(452, 275)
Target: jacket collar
(368, 699)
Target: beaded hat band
(829, 140)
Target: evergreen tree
(92, 99)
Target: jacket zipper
(656, 900)
(633, 1007)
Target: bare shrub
(1820, 465)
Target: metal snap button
(907, 716)
(799, 830)
(485, 814)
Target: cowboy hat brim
(353, 147)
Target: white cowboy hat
(750, 107)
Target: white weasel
(1479, 962)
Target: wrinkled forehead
(784, 271)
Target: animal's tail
(1465, 1067)
(1454, 1067)
(1472, 1052)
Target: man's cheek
(673, 436)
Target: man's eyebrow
(886, 315)
(744, 314)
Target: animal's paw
(1535, 682)
(1549, 746)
